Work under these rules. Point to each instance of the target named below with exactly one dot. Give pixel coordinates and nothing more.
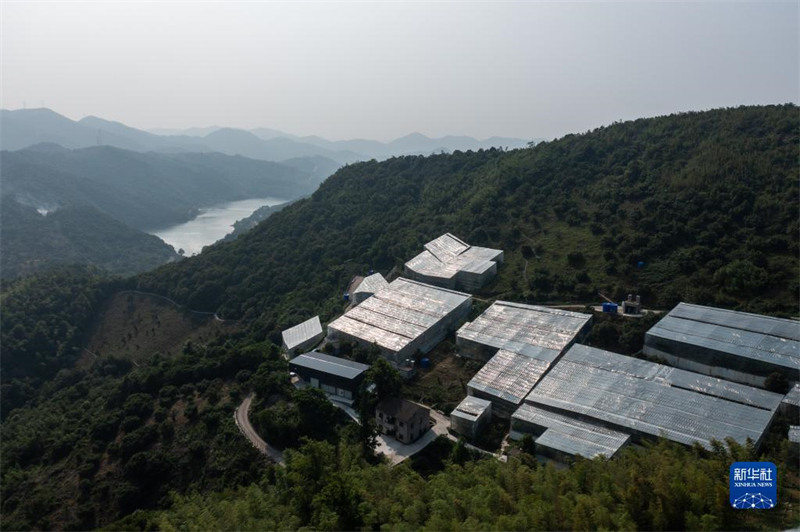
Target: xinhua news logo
(754, 485)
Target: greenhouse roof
(399, 313)
(539, 332)
(793, 396)
(303, 332)
(447, 255)
(471, 408)
(371, 284)
(771, 340)
(509, 376)
(653, 399)
(571, 436)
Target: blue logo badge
(754, 485)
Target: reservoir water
(211, 224)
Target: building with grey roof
(367, 287)
(649, 400)
(534, 331)
(303, 337)
(507, 378)
(520, 343)
(736, 346)
(791, 404)
(338, 377)
(402, 319)
(452, 263)
(470, 416)
(561, 436)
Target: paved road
(243, 422)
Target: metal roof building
(791, 403)
(403, 318)
(368, 286)
(452, 263)
(470, 416)
(507, 378)
(737, 346)
(557, 435)
(338, 377)
(651, 400)
(304, 336)
(538, 332)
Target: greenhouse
(368, 286)
(650, 400)
(506, 379)
(303, 337)
(539, 332)
(470, 416)
(735, 346)
(452, 263)
(558, 436)
(403, 318)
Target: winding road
(243, 422)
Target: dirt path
(243, 422)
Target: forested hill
(143, 190)
(699, 207)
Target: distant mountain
(416, 144)
(26, 127)
(269, 133)
(316, 166)
(240, 142)
(188, 132)
(144, 190)
(74, 235)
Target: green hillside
(706, 201)
(144, 190)
(74, 235)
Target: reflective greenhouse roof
(653, 399)
(540, 332)
(399, 313)
(569, 435)
(371, 284)
(303, 332)
(771, 340)
(447, 255)
(509, 376)
(471, 408)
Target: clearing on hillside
(135, 326)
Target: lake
(212, 224)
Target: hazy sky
(385, 69)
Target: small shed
(303, 337)
(367, 287)
(338, 377)
(470, 416)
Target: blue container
(425, 363)
(347, 296)
(610, 308)
(640, 264)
